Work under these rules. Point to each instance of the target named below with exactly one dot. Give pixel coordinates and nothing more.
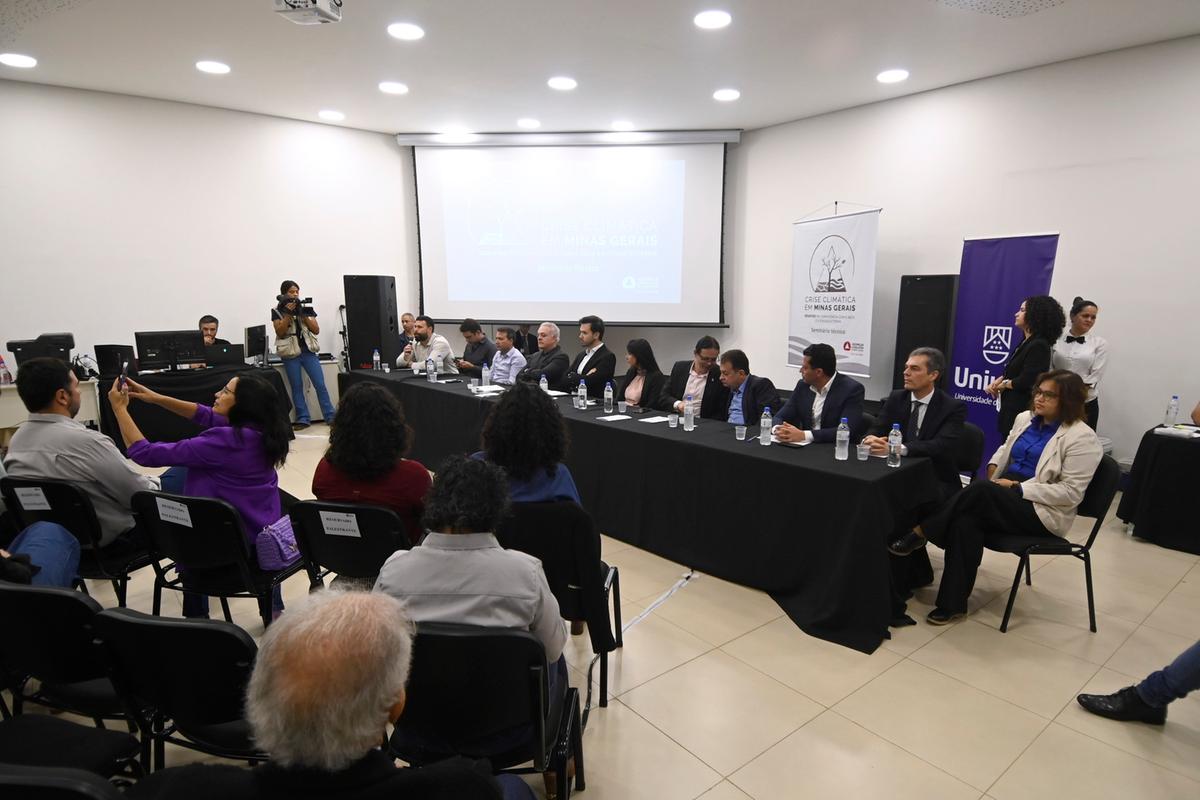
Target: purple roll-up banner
(995, 277)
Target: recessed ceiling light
(213, 67)
(456, 134)
(622, 125)
(528, 123)
(17, 60)
(329, 115)
(726, 95)
(712, 20)
(405, 31)
(892, 76)
(393, 87)
(562, 83)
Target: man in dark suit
(820, 400)
(748, 394)
(596, 364)
(208, 329)
(525, 340)
(548, 360)
(699, 379)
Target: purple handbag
(275, 546)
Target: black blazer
(652, 387)
(1030, 359)
(715, 402)
(845, 399)
(525, 342)
(604, 361)
(760, 393)
(551, 363)
(938, 438)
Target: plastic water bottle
(581, 396)
(6, 377)
(545, 384)
(841, 447)
(689, 414)
(1172, 411)
(375, 364)
(431, 370)
(608, 398)
(764, 427)
(895, 440)
(485, 375)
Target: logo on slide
(831, 267)
(997, 341)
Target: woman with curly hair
(526, 436)
(365, 461)
(1042, 320)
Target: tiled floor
(717, 695)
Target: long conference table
(793, 522)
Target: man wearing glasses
(699, 379)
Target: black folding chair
(203, 537)
(43, 741)
(71, 507)
(182, 680)
(50, 783)
(563, 537)
(969, 456)
(48, 640)
(470, 685)
(1095, 504)
(347, 539)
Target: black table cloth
(194, 385)
(1161, 500)
(790, 521)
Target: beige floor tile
(652, 647)
(955, 727)
(824, 671)
(628, 759)
(1175, 745)
(1147, 650)
(1178, 613)
(610, 546)
(644, 576)
(1190, 585)
(1142, 561)
(1024, 673)
(1117, 595)
(718, 611)
(723, 711)
(724, 791)
(1064, 763)
(579, 648)
(1041, 617)
(832, 757)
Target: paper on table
(775, 440)
(614, 417)
(654, 419)
(555, 393)
(491, 388)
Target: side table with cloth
(1160, 502)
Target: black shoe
(902, 621)
(907, 543)
(1126, 705)
(940, 617)
(299, 426)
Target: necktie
(1074, 339)
(913, 429)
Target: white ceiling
(484, 63)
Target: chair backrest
(351, 539)
(54, 783)
(49, 633)
(563, 537)
(468, 683)
(36, 500)
(969, 452)
(193, 671)
(1100, 493)
(199, 532)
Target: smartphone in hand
(123, 381)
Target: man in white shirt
(820, 400)
(426, 345)
(699, 379)
(508, 360)
(596, 365)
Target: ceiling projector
(310, 12)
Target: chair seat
(233, 736)
(94, 698)
(39, 740)
(1014, 543)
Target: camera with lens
(287, 299)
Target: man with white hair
(549, 360)
(329, 677)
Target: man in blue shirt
(749, 394)
(508, 360)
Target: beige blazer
(1063, 472)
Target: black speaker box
(926, 319)
(371, 319)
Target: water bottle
(485, 375)
(6, 377)
(895, 440)
(608, 398)
(545, 384)
(375, 365)
(1172, 411)
(764, 427)
(841, 447)
(581, 396)
(689, 414)
(431, 370)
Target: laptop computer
(218, 355)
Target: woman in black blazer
(1042, 320)
(644, 377)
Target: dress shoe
(1126, 705)
(940, 617)
(299, 426)
(907, 543)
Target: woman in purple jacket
(233, 458)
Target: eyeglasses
(1047, 395)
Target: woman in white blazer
(1036, 481)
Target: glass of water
(673, 420)
(864, 452)
(739, 432)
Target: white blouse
(1087, 359)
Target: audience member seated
(426, 345)
(699, 379)
(407, 323)
(329, 678)
(508, 361)
(53, 446)
(479, 349)
(549, 360)
(820, 400)
(1036, 481)
(749, 394)
(208, 329)
(596, 365)
(365, 461)
(525, 340)
(233, 458)
(1041, 320)
(44, 554)
(644, 382)
(525, 434)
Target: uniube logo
(997, 343)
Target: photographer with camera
(296, 330)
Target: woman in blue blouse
(526, 436)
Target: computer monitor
(111, 357)
(169, 349)
(218, 355)
(256, 342)
(46, 345)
